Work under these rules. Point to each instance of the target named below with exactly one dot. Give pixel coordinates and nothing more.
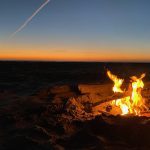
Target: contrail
(29, 19)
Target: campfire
(133, 103)
(118, 99)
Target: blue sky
(103, 26)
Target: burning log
(130, 101)
(102, 92)
(112, 97)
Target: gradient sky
(76, 30)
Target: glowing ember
(132, 104)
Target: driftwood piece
(103, 89)
(94, 99)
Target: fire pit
(126, 100)
(134, 103)
(118, 114)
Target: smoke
(30, 18)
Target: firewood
(103, 89)
(106, 94)
(112, 97)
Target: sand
(37, 111)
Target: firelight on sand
(134, 103)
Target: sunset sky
(76, 30)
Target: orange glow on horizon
(70, 53)
(67, 57)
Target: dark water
(30, 76)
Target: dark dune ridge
(29, 76)
(37, 114)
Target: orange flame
(134, 103)
(117, 82)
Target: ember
(134, 103)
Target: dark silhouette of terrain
(36, 112)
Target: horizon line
(74, 61)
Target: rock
(60, 89)
(91, 98)
(74, 106)
(65, 95)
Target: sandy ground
(36, 112)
